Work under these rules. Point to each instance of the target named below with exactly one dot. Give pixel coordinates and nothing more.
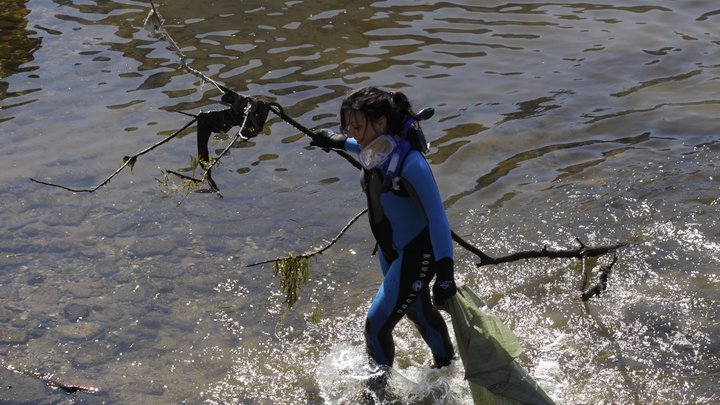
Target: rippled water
(554, 121)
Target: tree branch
(580, 252)
(208, 122)
(256, 111)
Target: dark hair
(375, 103)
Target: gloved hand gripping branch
(327, 139)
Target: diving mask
(377, 152)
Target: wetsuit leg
(427, 319)
(407, 279)
(382, 316)
(431, 325)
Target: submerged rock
(73, 312)
(79, 330)
(11, 336)
(93, 354)
(148, 247)
(20, 387)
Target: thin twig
(316, 251)
(155, 17)
(471, 248)
(601, 286)
(587, 272)
(127, 161)
(623, 366)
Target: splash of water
(343, 373)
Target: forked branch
(582, 251)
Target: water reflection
(17, 42)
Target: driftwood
(580, 252)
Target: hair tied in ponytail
(391, 93)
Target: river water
(558, 121)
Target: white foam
(342, 373)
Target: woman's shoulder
(415, 161)
(415, 156)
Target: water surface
(554, 121)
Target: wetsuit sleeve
(417, 173)
(351, 145)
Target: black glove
(328, 139)
(444, 286)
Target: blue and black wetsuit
(413, 234)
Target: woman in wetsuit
(407, 219)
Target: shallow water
(554, 121)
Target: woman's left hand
(444, 286)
